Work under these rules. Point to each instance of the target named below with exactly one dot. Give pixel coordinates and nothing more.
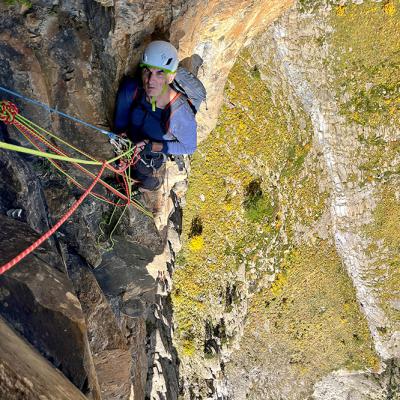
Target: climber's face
(154, 81)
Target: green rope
(110, 236)
(21, 149)
(71, 178)
(34, 127)
(51, 156)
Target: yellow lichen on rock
(383, 234)
(196, 243)
(340, 10)
(243, 213)
(240, 213)
(266, 221)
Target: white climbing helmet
(160, 54)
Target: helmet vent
(169, 61)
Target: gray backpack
(188, 84)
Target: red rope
(38, 242)
(8, 111)
(25, 130)
(36, 139)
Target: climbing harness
(38, 137)
(150, 162)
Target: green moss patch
(25, 3)
(257, 206)
(309, 6)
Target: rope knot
(8, 111)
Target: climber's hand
(156, 147)
(141, 145)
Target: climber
(155, 116)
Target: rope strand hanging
(44, 237)
(9, 114)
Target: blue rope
(111, 135)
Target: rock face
(288, 240)
(287, 282)
(340, 137)
(214, 32)
(40, 303)
(25, 375)
(106, 337)
(72, 56)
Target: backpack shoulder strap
(176, 103)
(137, 96)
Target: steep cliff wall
(287, 285)
(108, 330)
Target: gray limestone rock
(342, 385)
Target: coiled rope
(36, 136)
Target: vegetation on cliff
(366, 61)
(258, 245)
(366, 66)
(383, 236)
(258, 193)
(308, 323)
